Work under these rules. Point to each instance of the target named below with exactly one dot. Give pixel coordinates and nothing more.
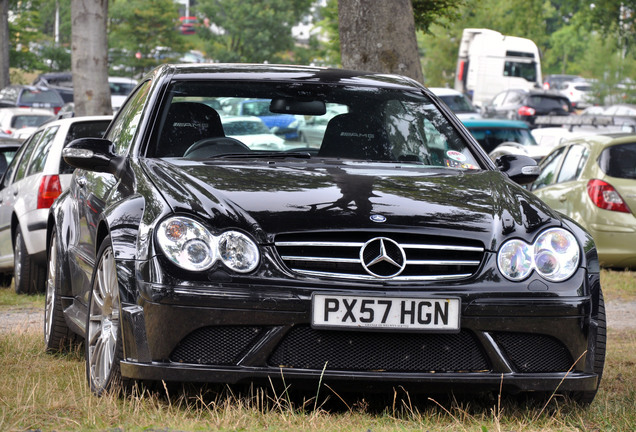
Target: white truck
(489, 62)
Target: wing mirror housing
(92, 154)
(521, 169)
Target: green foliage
(256, 31)
(330, 51)
(131, 22)
(429, 12)
(24, 35)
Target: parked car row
(179, 253)
(62, 83)
(588, 168)
(35, 176)
(182, 242)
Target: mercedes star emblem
(382, 257)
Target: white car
(36, 176)
(120, 88)
(579, 92)
(22, 122)
(457, 102)
(252, 132)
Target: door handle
(563, 198)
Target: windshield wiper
(298, 155)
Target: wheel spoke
(103, 322)
(50, 291)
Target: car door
(566, 193)
(9, 195)
(91, 192)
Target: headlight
(554, 255)
(238, 252)
(192, 247)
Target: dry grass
(49, 392)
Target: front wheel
(586, 397)
(103, 328)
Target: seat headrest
(355, 136)
(187, 123)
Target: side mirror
(521, 169)
(92, 154)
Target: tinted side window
(42, 151)
(549, 169)
(26, 156)
(8, 175)
(573, 163)
(528, 71)
(619, 161)
(124, 126)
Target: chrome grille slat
(432, 262)
(339, 255)
(373, 278)
(321, 259)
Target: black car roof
(307, 74)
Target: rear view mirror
(300, 107)
(92, 154)
(521, 169)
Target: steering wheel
(208, 147)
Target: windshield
(458, 104)
(352, 123)
(490, 137)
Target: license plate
(404, 313)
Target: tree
(256, 31)
(132, 21)
(379, 37)
(4, 43)
(89, 48)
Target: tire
(103, 330)
(57, 336)
(586, 397)
(29, 276)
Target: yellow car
(592, 179)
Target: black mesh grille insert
(215, 345)
(306, 348)
(534, 353)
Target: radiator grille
(353, 255)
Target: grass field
(46, 392)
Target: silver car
(36, 176)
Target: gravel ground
(620, 316)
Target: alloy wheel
(17, 260)
(103, 323)
(50, 291)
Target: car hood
(266, 198)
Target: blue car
(284, 125)
(499, 137)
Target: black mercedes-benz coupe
(394, 254)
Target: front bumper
(532, 342)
